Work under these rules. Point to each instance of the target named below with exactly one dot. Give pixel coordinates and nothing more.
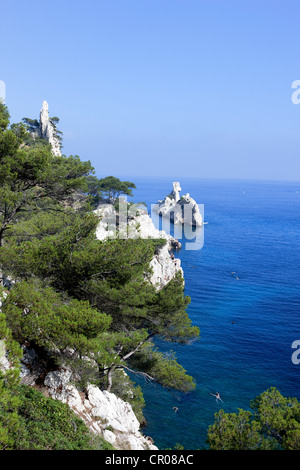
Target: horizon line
(221, 178)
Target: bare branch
(143, 374)
(124, 358)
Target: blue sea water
(247, 324)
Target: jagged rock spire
(174, 206)
(47, 130)
(176, 191)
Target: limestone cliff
(103, 413)
(47, 130)
(164, 265)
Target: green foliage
(31, 179)
(163, 367)
(93, 190)
(9, 382)
(57, 133)
(40, 223)
(44, 318)
(47, 424)
(176, 447)
(279, 417)
(111, 277)
(89, 305)
(4, 117)
(110, 188)
(273, 424)
(234, 431)
(81, 302)
(32, 125)
(28, 133)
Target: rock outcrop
(176, 191)
(103, 412)
(164, 265)
(4, 362)
(179, 210)
(47, 131)
(45, 128)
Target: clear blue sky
(169, 87)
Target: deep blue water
(248, 324)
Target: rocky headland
(164, 265)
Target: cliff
(47, 130)
(164, 265)
(83, 311)
(103, 413)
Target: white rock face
(106, 227)
(100, 410)
(179, 210)
(4, 362)
(164, 268)
(60, 389)
(47, 130)
(163, 265)
(108, 406)
(109, 436)
(176, 191)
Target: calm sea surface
(245, 289)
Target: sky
(196, 88)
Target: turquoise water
(248, 324)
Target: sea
(244, 284)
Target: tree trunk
(109, 379)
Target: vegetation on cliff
(68, 291)
(87, 304)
